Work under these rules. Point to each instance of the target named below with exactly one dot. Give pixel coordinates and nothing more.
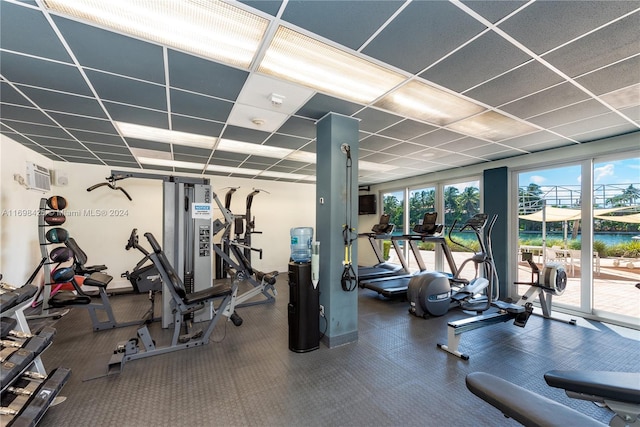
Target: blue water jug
(301, 238)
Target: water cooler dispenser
(304, 298)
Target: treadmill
(380, 231)
(426, 231)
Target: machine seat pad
(618, 386)
(66, 298)
(217, 291)
(524, 406)
(98, 279)
(269, 278)
(508, 307)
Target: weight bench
(620, 391)
(181, 304)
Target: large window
(549, 203)
(461, 202)
(393, 205)
(616, 237)
(585, 218)
(421, 201)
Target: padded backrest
(383, 227)
(174, 279)
(79, 255)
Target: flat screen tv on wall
(367, 204)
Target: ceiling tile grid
(535, 75)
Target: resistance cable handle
(349, 279)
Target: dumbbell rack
(44, 243)
(27, 390)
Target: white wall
(19, 246)
(101, 220)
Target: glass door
(616, 239)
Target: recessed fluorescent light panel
(295, 57)
(170, 163)
(423, 102)
(212, 29)
(492, 126)
(148, 133)
(248, 148)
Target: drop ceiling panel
(515, 84)
(105, 50)
(527, 142)
(493, 11)
(616, 76)
(26, 30)
(373, 120)
(377, 143)
(597, 123)
(12, 96)
(401, 149)
(25, 114)
(202, 76)
(598, 134)
(547, 100)
(259, 90)
(206, 107)
(407, 42)
(36, 129)
(105, 148)
(466, 144)
(243, 134)
(484, 58)
(297, 126)
(136, 83)
(66, 103)
(380, 157)
(101, 138)
(191, 151)
(347, 23)
(189, 158)
(67, 144)
(437, 137)
(587, 108)
(546, 24)
(225, 155)
(78, 122)
(267, 6)
(128, 91)
(285, 141)
(140, 116)
(200, 127)
(40, 73)
(320, 105)
(610, 44)
(246, 116)
(407, 129)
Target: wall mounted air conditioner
(38, 177)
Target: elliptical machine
(145, 276)
(435, 293)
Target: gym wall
(19, 247)
(101, 220)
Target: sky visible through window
(614, 172)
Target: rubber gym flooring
(392, 376)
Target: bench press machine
(618, 391)
(182, 304)
(552, 280)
